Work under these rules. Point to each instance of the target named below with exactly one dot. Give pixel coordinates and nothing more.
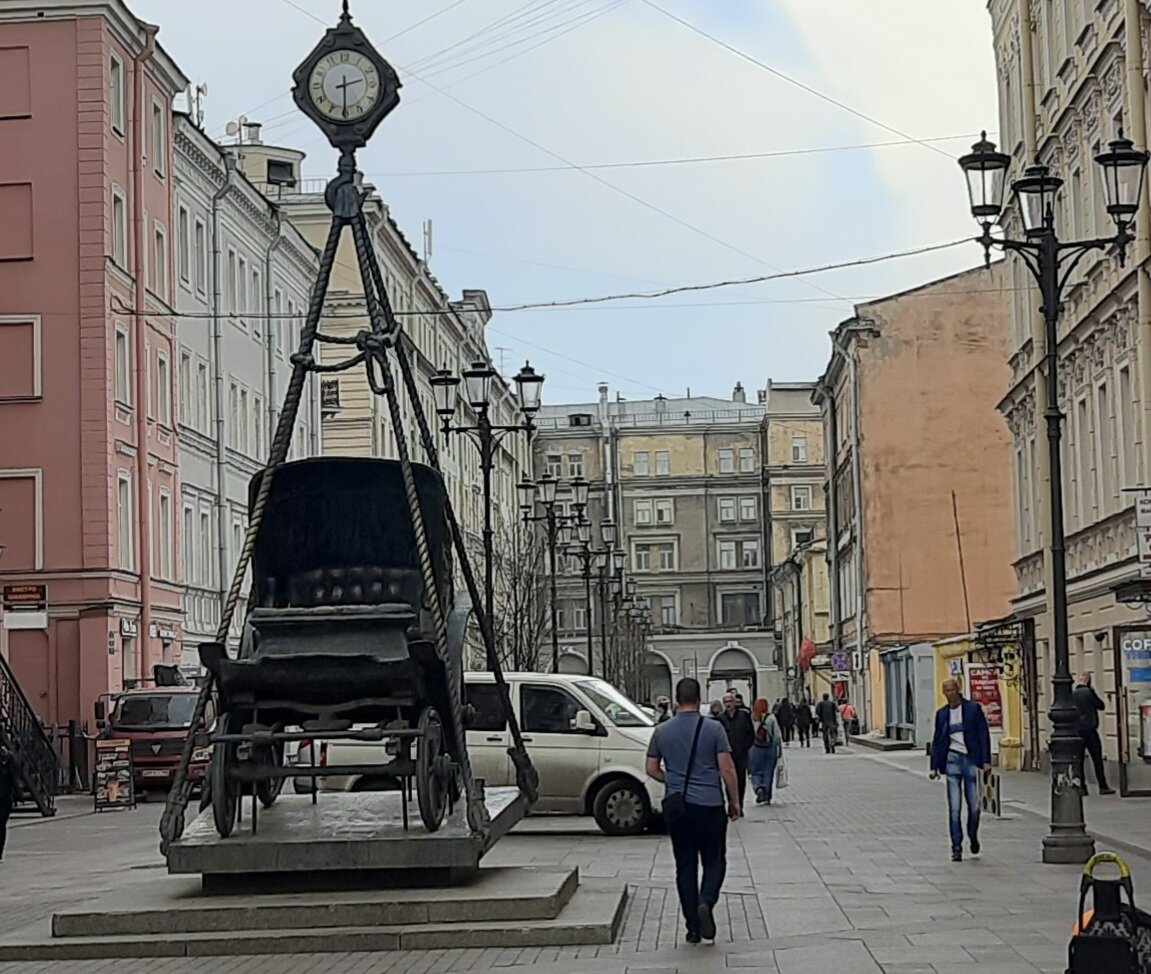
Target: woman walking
(765, 751)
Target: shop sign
(1143, 531)
(30, 598)
(129, 628)
(330, 394)
(983, 689)
(115, 779)
(1136, 650)
(955, 667)
(687, 668)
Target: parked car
(587, 740)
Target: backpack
(762, 738)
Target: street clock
(345, 86)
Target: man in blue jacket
(961, 749)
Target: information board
(983, 680)
(115, 783)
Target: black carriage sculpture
(338, 642)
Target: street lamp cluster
(1051, 262)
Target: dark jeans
(5, 811)
(740, 763)
(699, 838)
(786, 731)
(830, 734)
(804, 734)
(1093, 746)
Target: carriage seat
(355, 585)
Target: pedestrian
(960, 749)
(736, 721)
(8, 784)
(1088, 705)
(804, 718)
(765, 751)
(786, 718)
(715, 709)
(692, 757)
(828, 718)
(662, 710)
(847, 719)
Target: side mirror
(585, 723)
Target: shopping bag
(781, 773)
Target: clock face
(344, 86)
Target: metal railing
(22, 733)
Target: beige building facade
(919, 502)
(1070, 74)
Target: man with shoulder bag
(692, 757)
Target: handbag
(675, 802)
(781, 773)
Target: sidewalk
(1123, 824)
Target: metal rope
(172, 821)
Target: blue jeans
(763, 762)
(962, 785)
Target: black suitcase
(1115, 937)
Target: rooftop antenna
(196, 98)
(501, 349)
(427, 240)
(235, 128)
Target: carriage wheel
(431, 787)
(269, 790)
(225, 792)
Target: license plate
(154, 774)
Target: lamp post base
(1068, 848)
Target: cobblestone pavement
(849, 872)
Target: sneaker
(975, 846)
(692, 937)
(957, 857)
(706, 922)
(1107, 791)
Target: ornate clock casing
(346, 44)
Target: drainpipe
(825, 397)
(767, 525)
(1137, 125)
(139, 270)
(222, 506)
(271, 326)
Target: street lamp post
(545, 490)
(583, 553)
(1051, 262)
(487, 436)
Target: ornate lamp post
(1051, 262)
(582, 551)
(487, 436)
(545, 490)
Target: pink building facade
(88, 451)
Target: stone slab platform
(341, 832)
(592, 917)
(882, 743)
(174, 905)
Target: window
(233, 289)
(575, 465)
(183, 245)
(668, 614)
(159, 140)
(747, 509)
(662, 463)
(234, 416)
(124, 526)
(203, 411)
(256, 303)
(548, 710)
(123, 353)
(164, 529)
(799, 449)
(727, 552)
(643, 512)
(277, 326)
(163, 389)
(641, 557)
(119, 228)
(489, 709)
(258, 425)
(241, 305)
(244, 421)
(801, 537)
(200, 245)
(555, 465)
(665, 511)
(746, 460)
(666, 554)
(726, 509)
(739, 608)
(116, 93)
(186, 398)
(1128, 432)
(189, 551)
(750, 554)
(727, 461)
(579, 618)
(206, 549)
(160, 263)
(640, 464)
(801, 498)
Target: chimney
(738, 395)
(603, 392)
(253, 134)
(761, 397)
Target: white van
(586, 739)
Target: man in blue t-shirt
(699, 832)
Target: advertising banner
(115, 786)
(983, 680)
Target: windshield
(619, 709)
(164, 710)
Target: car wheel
(621, 808)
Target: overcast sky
(553, 84)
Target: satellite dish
(232, 128)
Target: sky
(555, 145)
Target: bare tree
(521, 623)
